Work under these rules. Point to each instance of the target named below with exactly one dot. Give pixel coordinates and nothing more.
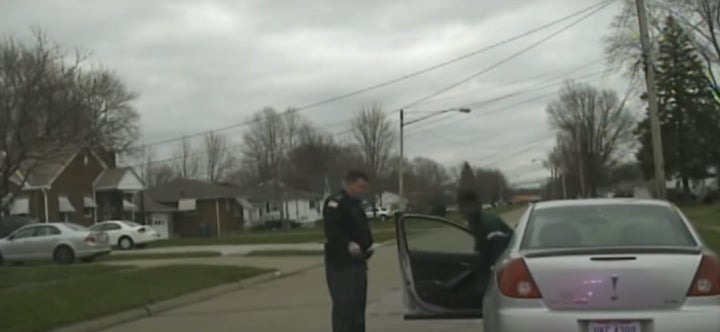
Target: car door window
(46, 231)
(24, 233)
(430, 235)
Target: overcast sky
(201, 64)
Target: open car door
(442, 274)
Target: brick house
(194, 208)
(75, 185)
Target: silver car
(59, 242)
(602, 265)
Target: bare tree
(188, 162)
(263, 144)
(594, 125)
(375, 138)
(155, 173)
(217, 159)
(267, 143)
(49, 104)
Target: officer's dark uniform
(345, 221)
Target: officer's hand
(355, 249)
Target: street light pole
(655, 132)
(401, 165)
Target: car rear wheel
(64, 255)
(125, 243)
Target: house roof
(42, 174)
(184, 188)
(45, 173)
(150, 205)
(112, 177)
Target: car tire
(125, 243)
(2, 260)
(63, 255)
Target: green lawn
(706, 215)
(27, 275)
(707, 221)
(127, 257)
(56, 302)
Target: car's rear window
(619, 225)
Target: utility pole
(581, 164)
(658, 160)
(401, 166)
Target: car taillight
(90, 239)
(515, 280)
(707, 278)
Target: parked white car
(382, 213)
(127, 234)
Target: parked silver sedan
(601, 265)
(59, 242)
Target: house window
(89, 213)
(273, 206)
(313, 204)
(228, 205)
(67, 217)
(237, 211)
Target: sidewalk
(225, 250)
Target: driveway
(300, 303)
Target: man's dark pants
(348, 290)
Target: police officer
(492, 234)
(348, 246)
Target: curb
(153, 309)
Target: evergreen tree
(689, 118)
(468, 182)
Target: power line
(564, 74)
(602, 4)
(349, 130)
(504, 108)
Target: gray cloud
(205, 64)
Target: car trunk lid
(634, 279)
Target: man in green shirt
(492, 234)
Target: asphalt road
(300, 302)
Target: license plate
(614, 327)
